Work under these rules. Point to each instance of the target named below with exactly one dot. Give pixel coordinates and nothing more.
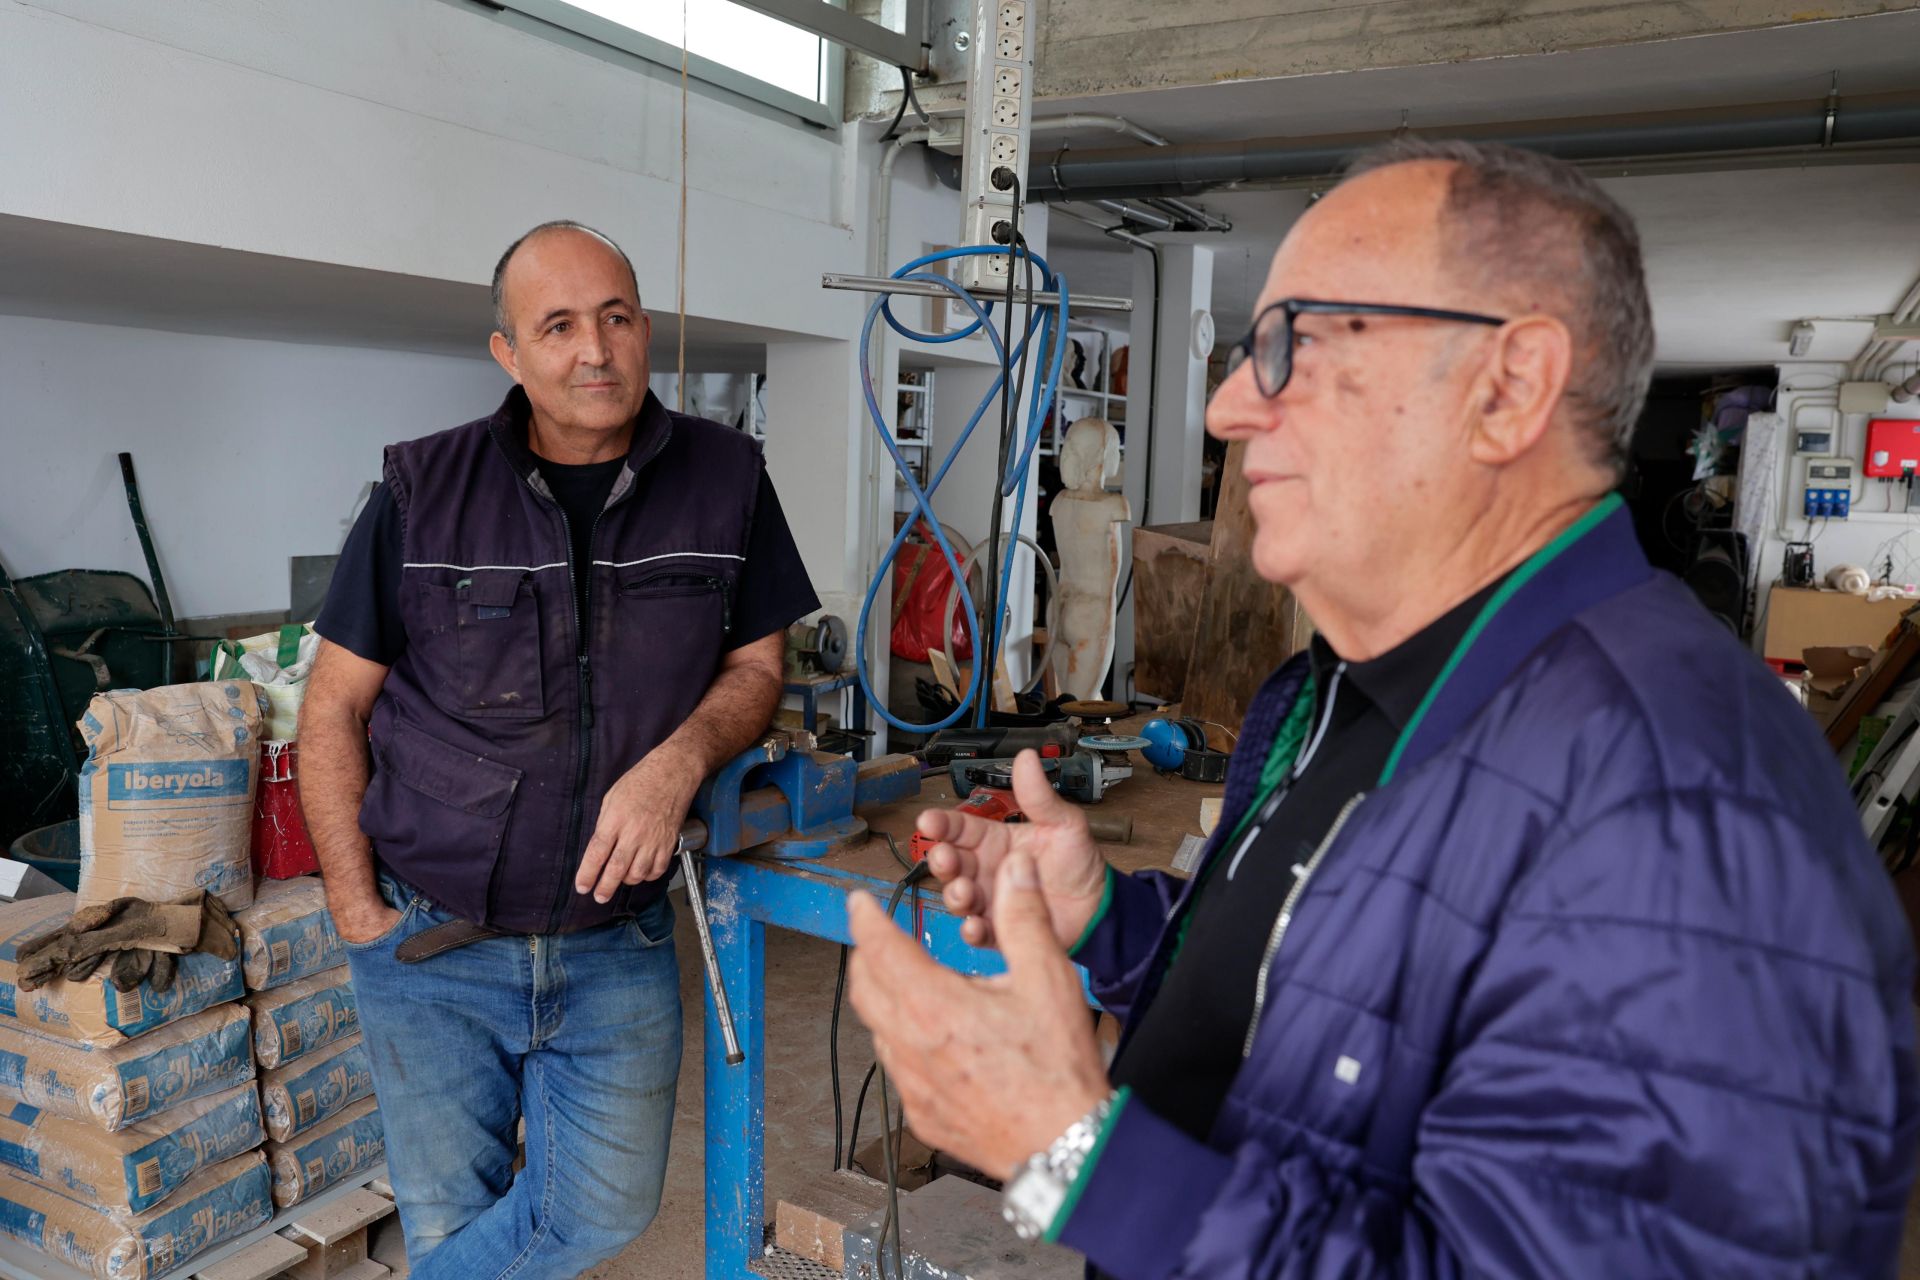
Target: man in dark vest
(549, 625)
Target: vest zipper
(1302, 874)
(584, 688)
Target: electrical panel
(1814, 440)
(1893, 447)
(1828, 493)
(998, 131)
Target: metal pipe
(922, 289)
(1188, 168)
(1907, 390)
(1143, 217)
(1191, 213)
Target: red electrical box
(1893, 447)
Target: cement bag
(292, 1021)
(279, 662)
(352, 1142)
(138, 1167)
(92, 1012)
(316, 1088)
(114, 1087)
(287, 934)
(220, 1204)
(166, 794)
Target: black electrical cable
(889, 1141)
(833, 1057)
(906, 95)
(859, 1105)
(989, 632)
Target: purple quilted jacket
(1600, 981)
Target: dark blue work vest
(499, 729)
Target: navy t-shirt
(362, 609)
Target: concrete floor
(800, 973)
(799, 1142)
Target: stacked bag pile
(178, 1054)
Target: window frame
(605, 31)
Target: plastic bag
(279, 662)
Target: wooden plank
(264, 1258)
(342, 1217)
(1169, 588)
(1247, 625)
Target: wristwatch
(1038, 1189)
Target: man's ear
(504, 354)
(1520, 387)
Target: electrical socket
(1005, 149)
(1006, 81)
(1006, 112)
(1011, 47)
(1013, 14)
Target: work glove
(142, 939)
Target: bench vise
(783, 798)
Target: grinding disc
(1113, 742)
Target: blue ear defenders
(1180, 746)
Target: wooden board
(1169, 587)
(1247, 625)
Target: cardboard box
(92, 1012)
(115, 1086)
(1831, 674)
(166, 793)
(218, 1205)
(1800, 618)
(287, 934)
(138, 1167)
(292, 1021)
(316, 1088)
(337, 1149)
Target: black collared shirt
(1187, 1048)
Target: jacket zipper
(584, 688)
(1302, 874)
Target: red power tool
(985, 802)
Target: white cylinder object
(1850, 578)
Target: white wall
(247, 452)
(416, 136)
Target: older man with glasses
(1538, 937)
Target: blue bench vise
(782, 798)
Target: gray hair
(558, 224)
(1522, 221)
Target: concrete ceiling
(64, 272)
(1733, 258)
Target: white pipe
(1907, 309)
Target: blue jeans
(579, 1033)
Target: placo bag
(350, 1143)
(316, 1088)
(115, 1087)
(219, 1204)
(93, 1011)
(287, 934)
(166, 794)
(295, 1020)
(138, 1167)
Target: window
(727, 45)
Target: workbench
(746, 894)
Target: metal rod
(723, 1012)
(921, 289)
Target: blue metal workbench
(747, 894)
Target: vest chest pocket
(497, 625)
(689, 601)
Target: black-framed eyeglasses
(1269, 343)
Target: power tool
(1084, 776)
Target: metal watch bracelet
(1060, 1165)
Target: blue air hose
(1048, 324)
